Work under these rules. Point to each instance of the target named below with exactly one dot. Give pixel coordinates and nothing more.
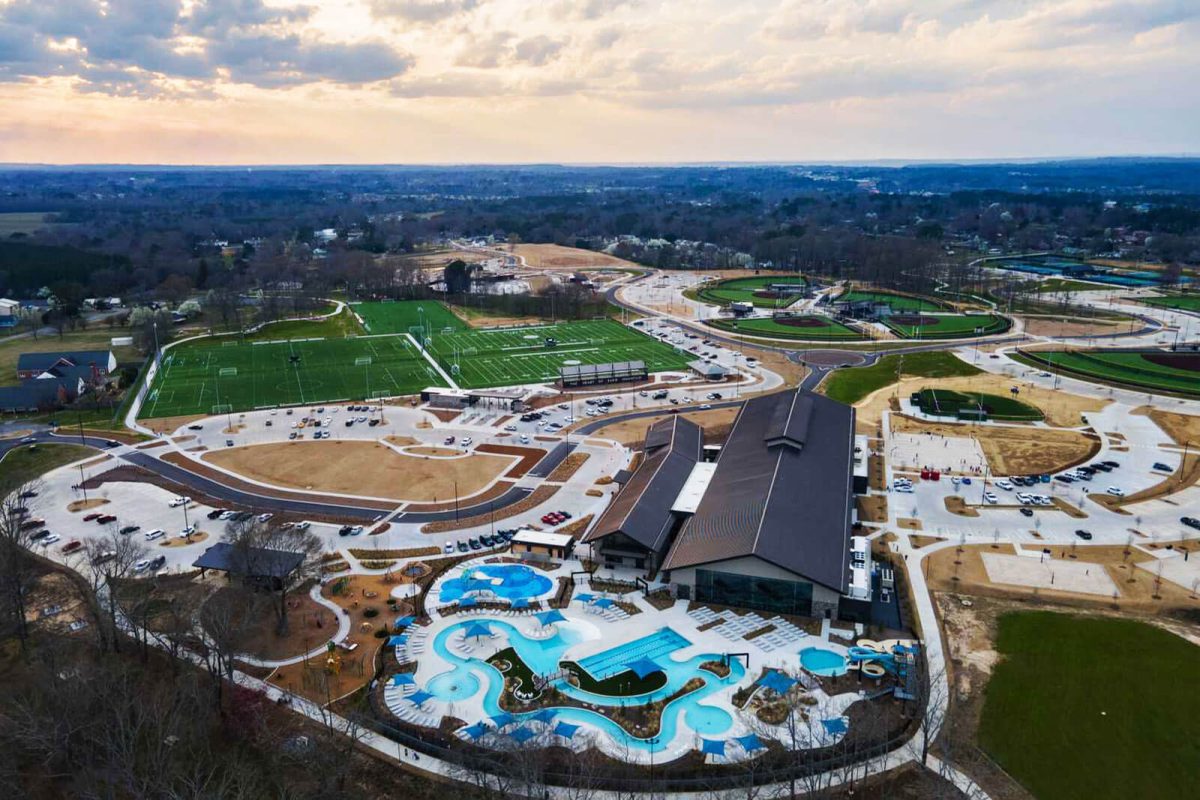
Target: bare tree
(18, 569)
(104, 562)
(259, 546)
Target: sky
(609, 81)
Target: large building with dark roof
(768, 526)
(772, 531)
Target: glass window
(748, 591)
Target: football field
(511, 356)
(204, 378)
(212, 376)
(399, 316)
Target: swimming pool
(543, 655)
(509, 581)
(820, 661)
(617, 659)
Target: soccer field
(511, 356)
(204, 377)
(398, 316)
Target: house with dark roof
(772, 530)
(100, 363)
(637, 528)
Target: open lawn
(11, 348)
(1156, 370)
(511, 356)
(191, 380)
(754, 290)
(25, 463)
(1181, 302)
(946, 326)
(851, 385)
(807, 327)
(897, 302)
(399, 316)
(1093, 707)
(948, 403)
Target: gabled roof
(30, 394)
(40, 362)
(253, 562)
(642, 509)
(781, 491)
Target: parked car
(105, 519)
(229, 442)
(264, 517)
(988, 497)
(93, 516)
(28, 493)
(128, 529)
(157, 533)
(462, 547)
(1161, 466)
(50, 539)
(216, 512)
(448, 548)
(1004, 484)
(1027, 511)
(142, 566)
(1085, 535)
(188, 531)
(1116, 491)
(195, 427)
(42, 534)
(72, 546)
(474, 543)
(176, 502)
(157, 563)
(302, 526)
(448, 440)
(1191, 522)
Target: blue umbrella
(548, 617)
(643, 667)
(466, 602)
(835, 726)
(603, 602)
(520, 602)
(420, 696)
(404, 622)
(403, 679)
(476, 730)
(477, 629)
(522, 735)
(750, 742)
(396, 641)
(713, 747)
(776, 681)
(583, 597)
(545, 715)
(565, 730)
(502, 719)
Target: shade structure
(643, 667)
(466, 602)
(420, 696)
(712, 747)
(750, 742)
(584, 597)
(548, 617)
(502, 719)
(397, 641)
(404, 622)
(477, 629)
(603, 602)
(520, 602)
(837, 725)
(545, 715)
(565, 730)
(776, 681)
(476, 730)
(403, 679)
(522, 735)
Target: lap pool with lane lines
(469, 674)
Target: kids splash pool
(820, 661)
(507, 581)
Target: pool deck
(597, 633)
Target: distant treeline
(25, 267)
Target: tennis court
(512, 356)
(210, 377)
(401, 316)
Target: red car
(90, 517)
(105, 519)
(72, 546)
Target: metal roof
(545, 538)
(28, 362)
(254, 562)
(693, 490)
(781, 491)
(642, 509)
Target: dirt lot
(1061, 409)
(1182, 428)
(553, 256)
(633, 431)
(1052, 326)
(170, 424)
(338, 467)
(1013, 450)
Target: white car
(327, 421)
(176, 502)
(51, 539)
(1116, 492)
(157, 533)
(954, 480)
(1004, 484)
(265, 517)
(142, 565)
(705, 407)
(1024, 498)
(990, 498)
(188, 531)
(1042, 500)
(510, 428)
(898, 482)
(448, 548)
(563, 406)
(569, 420)
(466, 440)
(905, 489)
(302, 526)
(524, 439)
(226, 514)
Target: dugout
(595, 374)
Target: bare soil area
(554, 256)
(1053, 326)
(361, 468)
(1014, 450)
(633, 431)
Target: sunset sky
(409, 81)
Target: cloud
(536, 50)
(421, 11)
(154, 47)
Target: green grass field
(742, 290)
(1131, 369)
(897, 302)
(1180, 302)
(826, 329)
(190, 380)
(262, 373)
(949, 326)
(947, 403)
(510, 356)
(400, 315)
(23, 464)
(1091, 707)
(852, 385)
